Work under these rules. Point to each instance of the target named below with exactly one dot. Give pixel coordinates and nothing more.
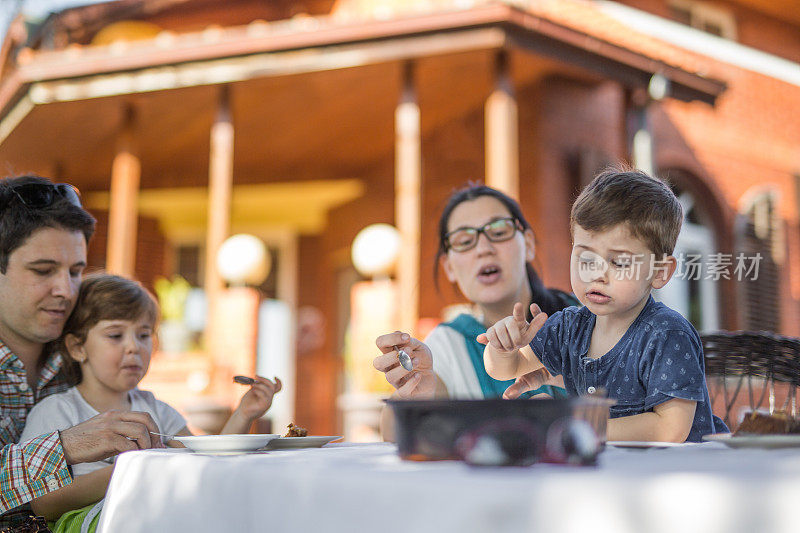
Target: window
(583, 164)
(705, 17)
(189, 263)
(269, 288)
(759, 234)
(189, 259)
(693, 290)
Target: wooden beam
(408, 183)
(502, 132)
(263, 65)
(123, 214)
(14, 117)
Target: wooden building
(303, 121)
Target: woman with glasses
(485, 247)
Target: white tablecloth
(345, 488)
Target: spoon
(404, 359)
(244, 380)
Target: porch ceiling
(300, 207)
(307, 105)
(330, 124)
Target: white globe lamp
(243, 260)
(375, 250)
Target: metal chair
(759, 360)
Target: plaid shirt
(33, 468)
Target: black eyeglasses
(40, 195)
(463, 239)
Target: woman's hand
(258, 399)
(514, 332)
(419, 383)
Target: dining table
(354, 487)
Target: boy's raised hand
(258, 399)
(513, 332)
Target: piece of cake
(777, 423)
(295, 431)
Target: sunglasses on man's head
(41, 195)
(463, 239)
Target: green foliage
(172, 296)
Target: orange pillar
(219, 209)
(123, 212)
(408, 179)
(502, 134)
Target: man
(44, 233)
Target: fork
(164, 438)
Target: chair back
(747, 369)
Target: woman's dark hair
(103, 297)
(545, 299)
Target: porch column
(502, 135)
(220, 180)
(641, 140)
(408, 170)
(123, 213)
(640, 101)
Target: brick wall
(753, 28)
(151, 249)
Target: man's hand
(530, 381)
(513, 332)
(108, 434)
(419, 383)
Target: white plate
(644, 444)
(226, 443)
(755, 441)
(243, 452)
(312, 441)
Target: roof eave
(523, 30)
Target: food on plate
(777, 423)
(295, 431)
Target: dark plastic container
(524, 431)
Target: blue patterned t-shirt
(659, 358)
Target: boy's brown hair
(646, 205)
(103, 297)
